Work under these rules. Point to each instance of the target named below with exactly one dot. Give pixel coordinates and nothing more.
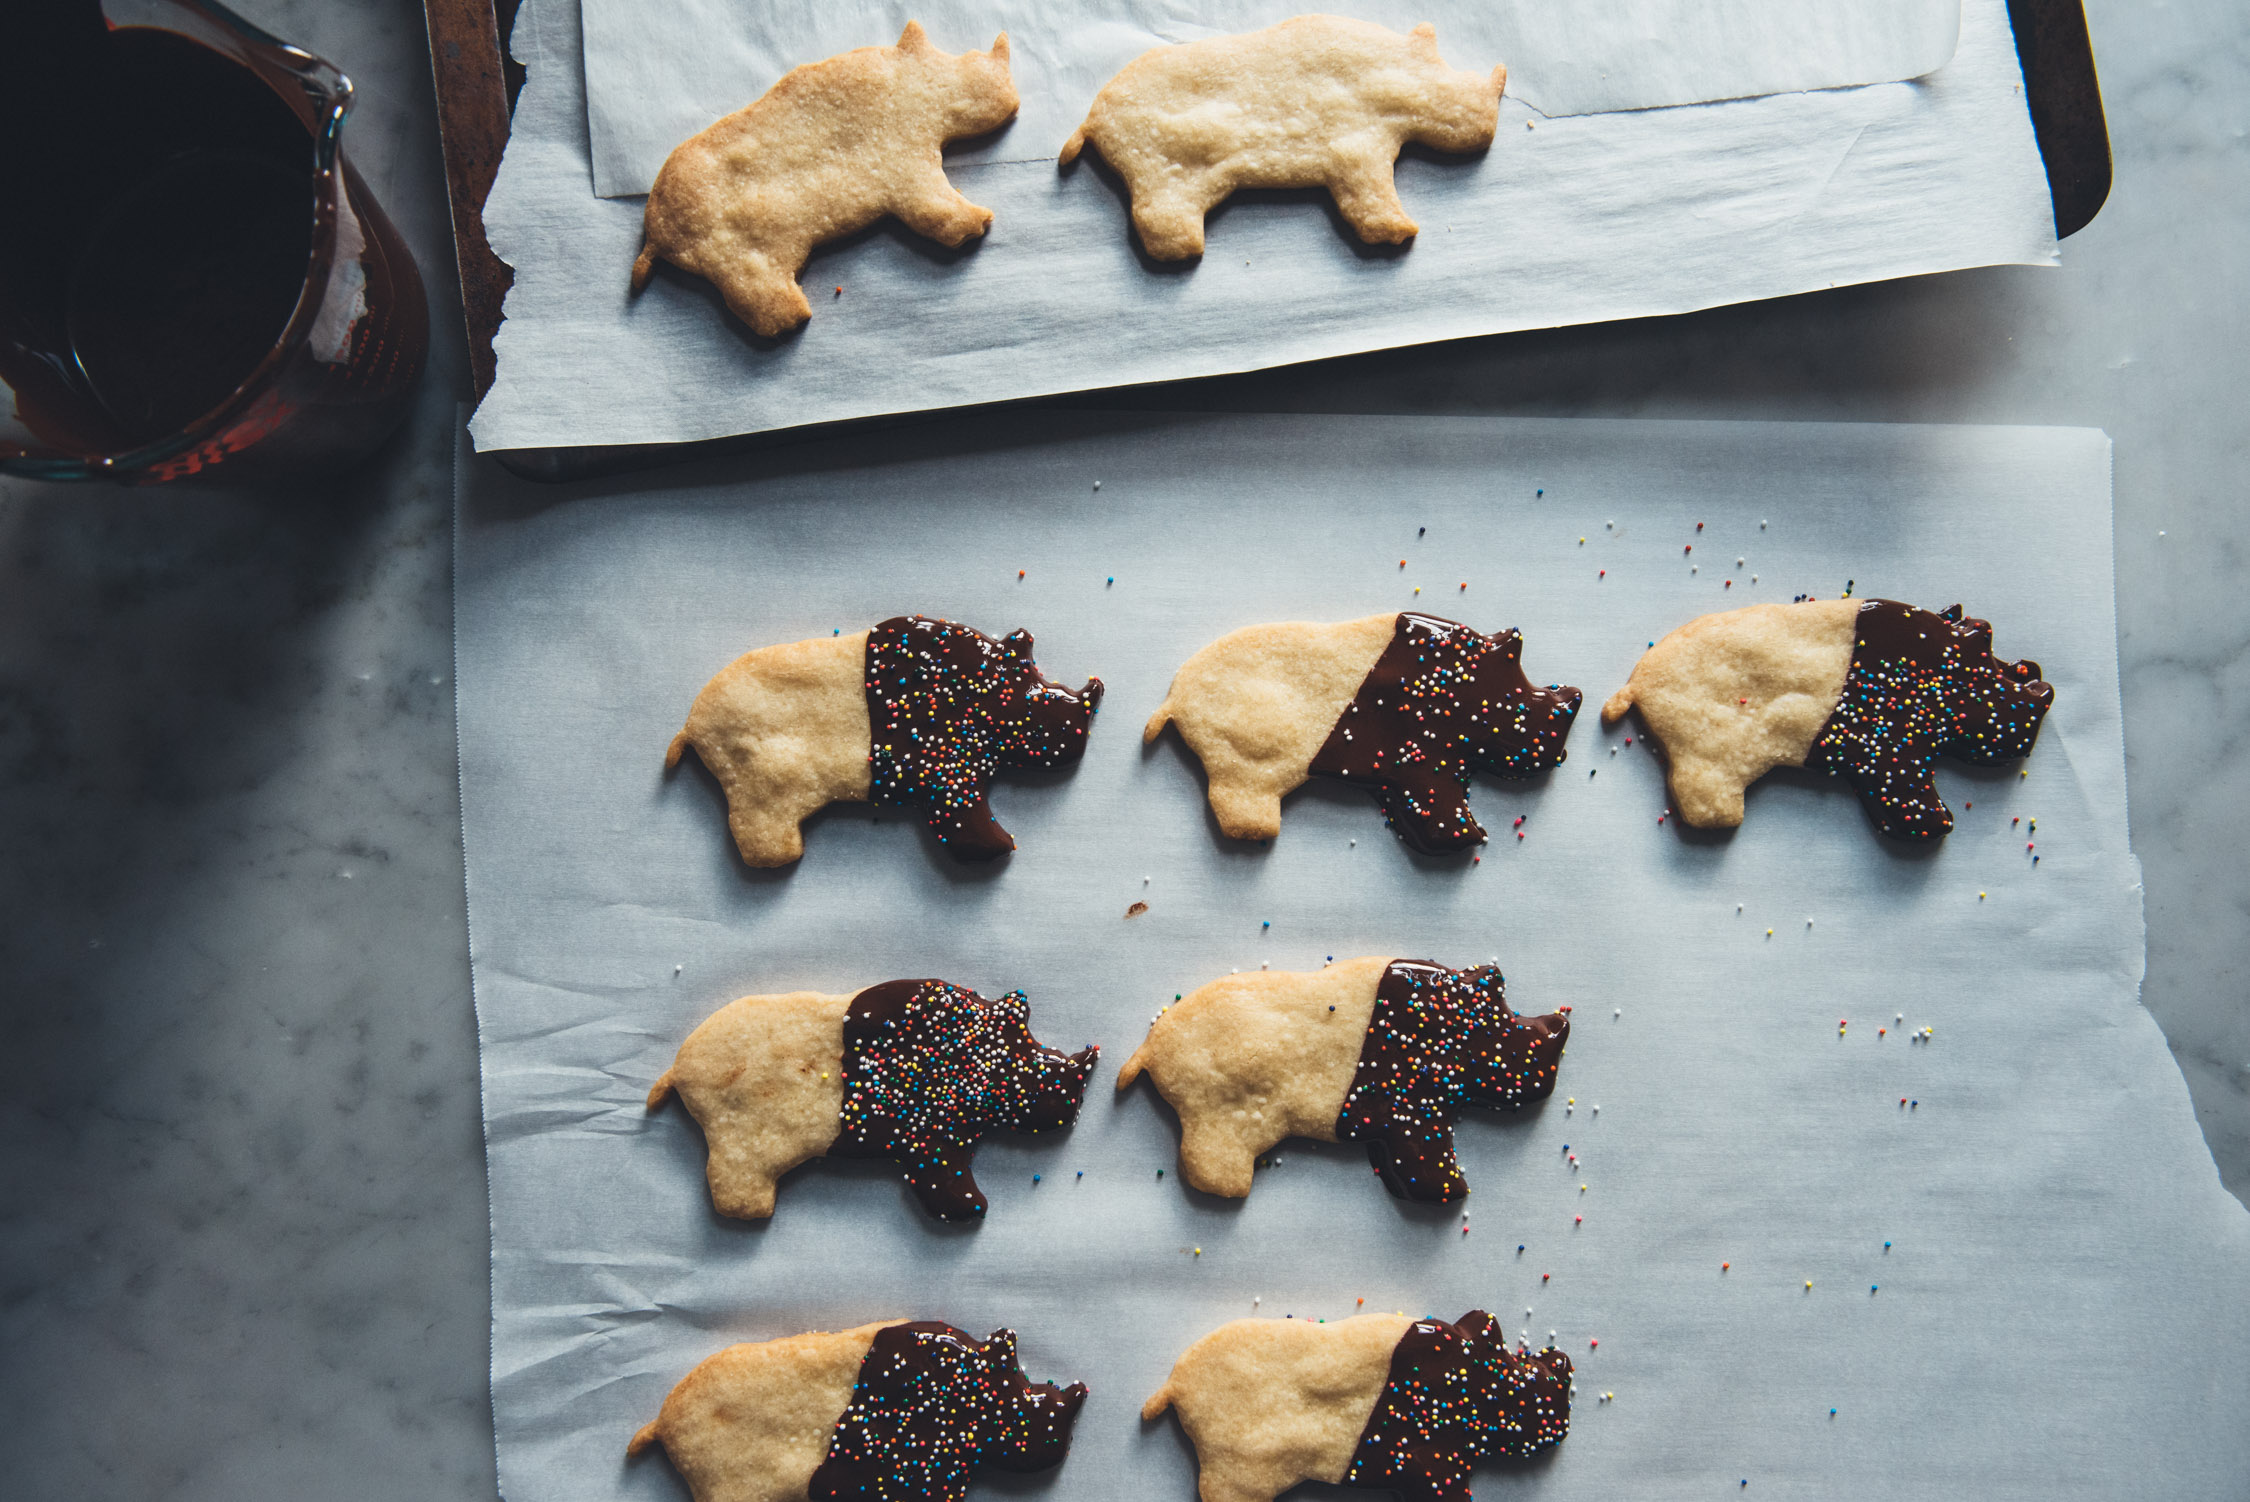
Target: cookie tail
(672, 755)
(1133, 1067)
(661, 1091)
(1157, 722)
(1618, 703)
(643, 265)
(641, 1441)
(1155, 1406)
(1072, 147)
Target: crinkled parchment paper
(1569, 220)
(658, 71)
(2060, 1310)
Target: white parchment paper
(656, 73)
(1577, 220)
(2060, 1310)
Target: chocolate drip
(929, 1068)
(930, 1406)
(1441, 1040)
(1456, 1395)
(1444, 701)
(947, 708)
(1921, 686)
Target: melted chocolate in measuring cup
(158, 207)
(185, 282)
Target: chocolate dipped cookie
(1870, 691)
(891, 1412)
(1408, 706)
(910, 1072)
(1375, 1050)
(916, 713)
(1378, 1401)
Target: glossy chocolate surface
(1441, 703)
(931, 1405)
(949, 707)
(1924, 685)
(1456, 1395)
(1441, 1040)
(929, 1068)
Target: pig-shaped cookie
(1871, 691)
(1406, 705)
(884, 1413)
(916, 713)
(912, 1072)
(827, 151)
(1378, 1401)
(1315, 102)
(1375, 1050)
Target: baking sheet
(1564, 221)
(2059, 1311)
(656, 73)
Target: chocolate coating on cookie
(948, 707)
(1921, 686)
(931, 1405)
(1441, 1040)
(1442, 702)
(929, 1068)
(1455, 1395)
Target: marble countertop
(243, 1254)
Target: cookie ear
(1017, 641)
(1478, 1325)
(1951, 613)
(999, 52)
(914, 38)
(1423, 39)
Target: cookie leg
(1246, 811)
(1169, 219)
(1904, 803)
(739, 1192)
(769, 832)
(1416, 1161)
(939, 212)
(1216, 1483)
(970, 833)
(1433, 818)
(1707, 794)
(943, 1184)
(1431, 1476)
(1215, 1160)
(763, 295)
(1369, 201)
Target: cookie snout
(1547, 715)
(1562, 704)
(1044, 1417)
(1464, 110)
(1549, 1033)
(2005, 720)
(1056, 1089)
(1524, 1065)
(1055, 722)
(986, 98)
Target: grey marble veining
(242, 1233)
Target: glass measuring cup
(194, 281)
